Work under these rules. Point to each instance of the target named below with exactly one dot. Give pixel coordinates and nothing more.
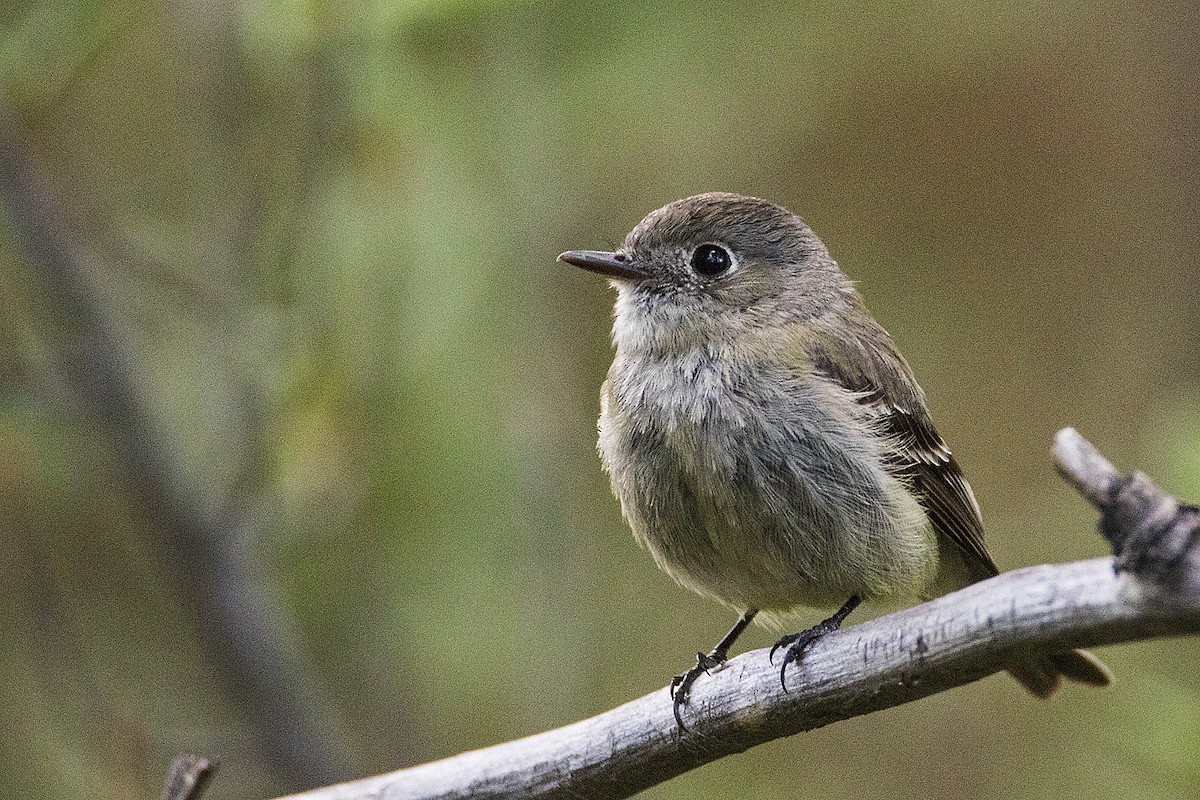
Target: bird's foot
(795, 645)
(681, 684)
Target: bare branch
(1081, 465)
(188, 778)
(1151, 533)
(1151, 589)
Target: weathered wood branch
(1151, 588)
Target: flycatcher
(768, 443)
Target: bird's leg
(796, 644)
(681, 684)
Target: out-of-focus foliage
(326, 235)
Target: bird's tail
(1043, 675)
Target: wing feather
(872, 368)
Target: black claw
(679, 718)
(796, 644)
(681, 684)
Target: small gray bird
(768, 443)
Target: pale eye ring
(711, 260)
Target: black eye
(710, 260)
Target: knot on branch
(1154, 537)
(1150, 532)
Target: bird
(767, 441)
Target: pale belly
(767, 509)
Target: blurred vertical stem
(247, 637)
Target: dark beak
(612, 265)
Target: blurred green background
(297, 410)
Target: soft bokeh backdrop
(297, 410)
